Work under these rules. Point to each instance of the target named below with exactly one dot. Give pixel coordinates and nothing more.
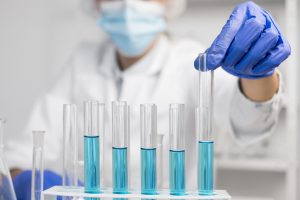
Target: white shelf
(250, 198)
(235, 1)
(55, 191)
(253, 164)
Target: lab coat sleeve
(252, 121)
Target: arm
(255, 118)
(260, 90)
(251, 46)
(14, 172)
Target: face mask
(132, 24)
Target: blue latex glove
(22, 183)
(250, 44)
(6, 192)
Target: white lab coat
(166, 75)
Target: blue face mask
(132, 24)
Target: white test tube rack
(64, 191)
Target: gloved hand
(6, 192)
(22, 183)
(250, 44)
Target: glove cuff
(247, 76)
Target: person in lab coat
(139, 63)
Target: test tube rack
(78, 192)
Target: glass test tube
(37, 180)
(70, 145)
(204, 128)
(2, 122)
(6, 185)
(148, 148)
(93, 125)
(159, 161)
(120, 137)
(177, 150)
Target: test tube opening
(38, 139)
(120, 124)
(148, 124)
(93, 118)
(177, 136)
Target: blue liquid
(148, 171)
(91, 164)
(120, 170)
(205, 167)
(177, 172)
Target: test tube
(148, 147)
(177, 150)
(93, 125)
(120, 137)
(2, 122)
(37, 180)
(6, 185)
(70, 145)
(204, 128)
(159, 163)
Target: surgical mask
(132, 24)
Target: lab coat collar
(150, 64)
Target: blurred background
(38, 36)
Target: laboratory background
(38, 36)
